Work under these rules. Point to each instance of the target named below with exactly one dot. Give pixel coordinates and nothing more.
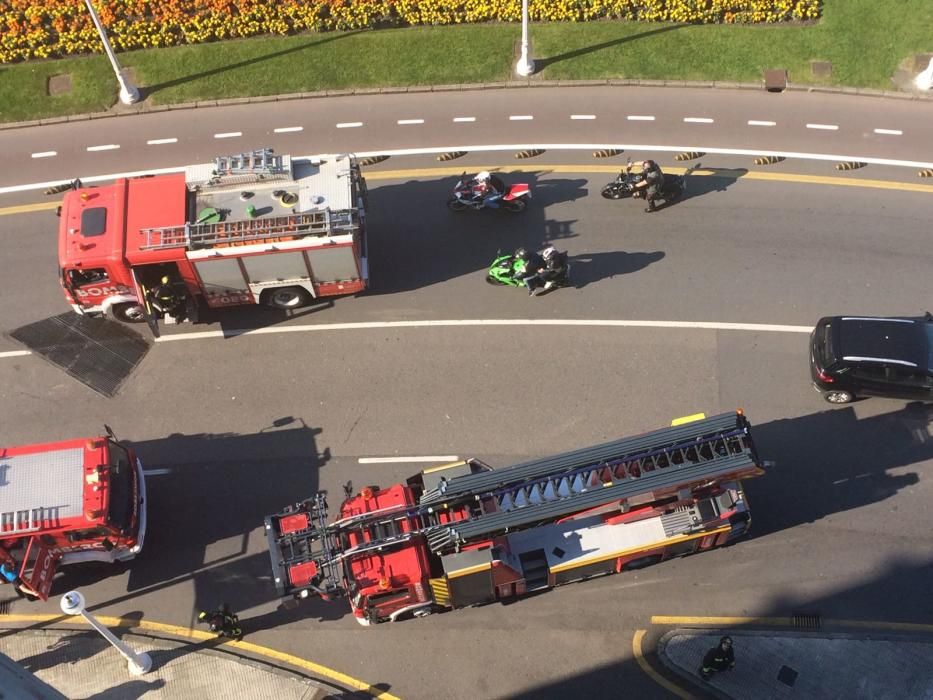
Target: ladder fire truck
(464, 534)
(69, 502)
(257, 228)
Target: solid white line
(15, 353)
(698, 120)
(520, 118)
(402, 122)
(826, 127)
(399, 460)
(228, 135)
(640, 118)
(349, 125)
(287, 129)
(464, 119)
(45, 154)
(156, 472)
(159, 142)
(757, 122)
(108, 147)
(892, 132)
(583, 116)
(369, 325)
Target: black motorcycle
(624, 185)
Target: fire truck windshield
(121, 510)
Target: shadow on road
(593, 267)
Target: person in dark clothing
(652, 181)
(223, 622)
(166, 299)
(534, 265)
(9, 574)
(555, 268)
(719, 658)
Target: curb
(127, 111)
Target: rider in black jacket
(653, 180)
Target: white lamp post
(525, 65)
(128, 92)
(138, 664)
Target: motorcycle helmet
(165, 280)
(726, 640)
(548, 253)
(483, 175)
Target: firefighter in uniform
(165, 299)
(719, 658)
(223, 622)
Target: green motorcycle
(507, 270)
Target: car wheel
(515, 205)
(839, 396)
(129, 312)
(456, 204)
(288, 297)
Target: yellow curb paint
(189, 633)
(28, 208)
(651, 673)
(720, 621)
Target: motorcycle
(624, 185)
(508, 270)
(673, 187)
(513, 198)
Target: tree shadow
(148, 90)
(592, 267)
(542, 63)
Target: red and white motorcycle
(488, 191)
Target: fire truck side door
(141, 293)
(43, 566)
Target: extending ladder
(260, 161)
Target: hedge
(52, 28)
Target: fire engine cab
(464, 534)
(256, 228)
(69, 502)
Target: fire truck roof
(41, 486)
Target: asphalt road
(240, 427)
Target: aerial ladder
(479, 502)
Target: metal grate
(807, 621)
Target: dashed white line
(45, 154)
(759, 122)
(228, 135)
(890, 132)
(159, 142)
(698, 120)
(583, 116)
(15, 353)
(520, 118)
(825, 127)
(403, 122)
(399, 460)
(107, 147)
(464, 119)
(287, 129)
(640, 118)
(349, 125)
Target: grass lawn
(864, 39)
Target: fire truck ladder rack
(261, 161)
(323, 222)
(544, 490)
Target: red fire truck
(69, 502)
(256, 228)
(464, 534)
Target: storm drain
(807, 621)
(98, 352)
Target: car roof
(897, 340)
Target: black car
(854, 356)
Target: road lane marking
(891, 132)
(583, 116)
(651, 673)
(228, 135)
(105, 147)
(287, 129)
(349, 125)
(760, 122)
(826, 127)
(44, 154)
(15, 353)
(464, 119)
(520, 117)
(698, 120)
(404, 460)
(640, 118)
(188, 633)
(159, 142)
(403, 122)
(28, 208)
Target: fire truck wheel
(288, 297)
(128, 312)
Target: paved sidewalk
(82, 666)
(774, 664)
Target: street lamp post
(73, 604)
(128, 92)
(525, 65)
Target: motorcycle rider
(555, 267)
(530, 272)
(652, 182)
(487, 187)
